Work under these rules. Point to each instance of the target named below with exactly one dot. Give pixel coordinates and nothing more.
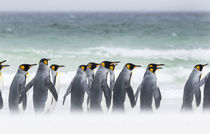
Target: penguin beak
(115, 63)
(160, 65)
(60, 66)
(205, 65)
(48, 59)
(3, 66)
(159, 68)
(2, 61)
(135, 66)
(32, 65)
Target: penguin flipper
(1, 101)
(86, 88)
(137, 92)
(198, 97)
(107, 93)
(131, 96)
(67, 92)
(24, 102)
(25, 90)
(157, 96)
(52, 89)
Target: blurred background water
(178, 39)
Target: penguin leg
(138, 92)
(52, 89)
(131, 97)
(157, 96)
(107, 93)
(25, 90)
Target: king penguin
(123, 86)
(77, 88)
(1, 83)
(192, 89)
(149, 89)
(18, 84)
(41, 84)
(100, 86)
(51, 103)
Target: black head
(92, 65)
(3, 66)
(200, 66)
(107, 64)
(83, 67)
(26, 67)
(154, 67)
(44, 60)
(131, 66)
(55, 67)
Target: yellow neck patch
(27, 74)
(152, 70)
(112, 68)
(57, 74)
(89, 66)
(45, 62)
(128, 66)
(22, 67)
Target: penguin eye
(198, 67)
(22, 67)
(128, 66)
(151, 69)
(103, 64)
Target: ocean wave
(109, 52)
(169, 54)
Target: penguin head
(200, 66)
(92, 65)
(107, 64)
(44, 60)
(3, 66)
(154, 67)
(83, 67)
(55, 67)
(131, 66)
(112, 67)
(2, 61)
(26, 67)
